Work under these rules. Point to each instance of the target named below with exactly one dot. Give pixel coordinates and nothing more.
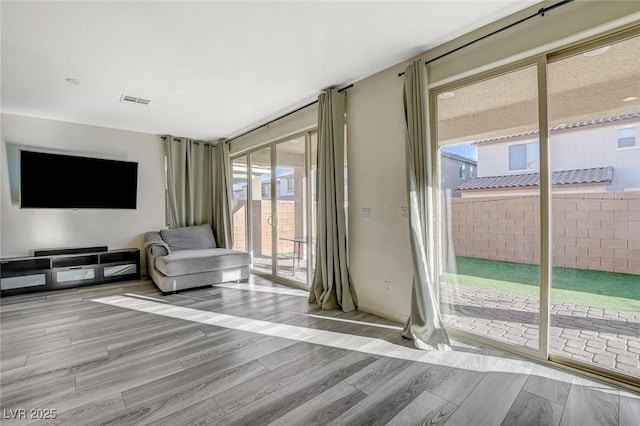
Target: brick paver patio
(299, 273)
(605, 337)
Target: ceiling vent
(126, 99)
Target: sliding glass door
(489, 168)
(240, 188)
(279, 218)
(261, 213)
(594, 119)
(538, 167)
(291, 207)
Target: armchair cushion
(184, 262)
(189, 237)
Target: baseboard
(371, 309)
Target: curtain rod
(283, 116)
(540, 12)
(197, 141)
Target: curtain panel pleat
(424, 325)
(198, 182)
(222, 205)
(331, 286)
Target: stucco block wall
(597, 231)
(261, 228)
(240, 225)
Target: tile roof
(601, 175)
(555, 128)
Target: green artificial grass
(605, 290)
(288, 254)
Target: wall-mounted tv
(60, 181)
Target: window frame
(526, 146)
(266, 185)
(309, 186)
(541, 58)
(632, 138)
(462, 170)
(290, 185)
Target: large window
(546, 261)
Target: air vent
(133, 100)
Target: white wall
(295, 123)
(23, 230)
(597, 147)
(378, 247)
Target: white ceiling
(211, 69)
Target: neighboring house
(589, 156)
(240, 191)
(285, 189)
(455, 169)
(285, 184)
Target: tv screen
(67, 181)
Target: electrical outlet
(366, 213)
(387, 286)
(404, 212)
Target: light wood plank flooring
(257, 354)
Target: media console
(52, 269)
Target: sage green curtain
(424, 325)
(331, 286)
(448, 258)
(222, 205)
(198, 186)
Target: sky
(465, 149)
(280, 171)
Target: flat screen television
(60, 181)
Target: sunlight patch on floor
(264, 289)
(364, 344)
(370, 324)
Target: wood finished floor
(123, 354)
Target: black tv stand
(68, 250)
(51, 269)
